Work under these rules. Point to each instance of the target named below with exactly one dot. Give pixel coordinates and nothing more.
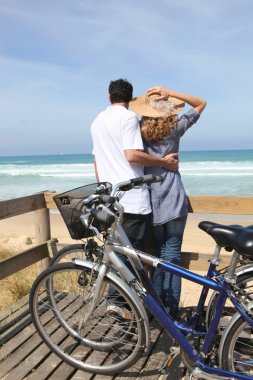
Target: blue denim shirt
(168, 198)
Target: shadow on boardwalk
(23, 355)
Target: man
(119, 156)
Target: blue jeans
(168, 239)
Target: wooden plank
(30, 350)
(22, 260)
(19, 332)
(137, 368)
(37, 361)
(34, 367)
(47, 368)
(14, 326)
(221, 205)
(12, 309)
(157, 359)
(18, 206)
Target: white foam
(46, 170)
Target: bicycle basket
(71, 207)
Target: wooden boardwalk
(23, 355)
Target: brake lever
(90, 199)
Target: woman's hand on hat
(163, 92)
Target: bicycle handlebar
(103, 216)
(101, 212)
(104, 198)
(148, 178)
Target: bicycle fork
(96, 292)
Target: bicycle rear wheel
(89, 338)
(244, 286)
(236, 352)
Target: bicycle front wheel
(237, 348)
(89, 336)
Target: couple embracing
(137, 136)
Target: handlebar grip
(151, 178)
(104, 198)
(147, 178)
(103, 217)
(137, 181)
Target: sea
(222, 172)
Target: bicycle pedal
(174, 351)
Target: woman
(161, 131)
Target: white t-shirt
(113, 131)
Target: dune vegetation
(16, 286)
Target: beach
(17, 234)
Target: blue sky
(58, 56)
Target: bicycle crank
(198, 373)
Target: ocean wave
(215, 174)
(14, 162)
(69, 175)
(226, 175)
(223, 168)
(79, 168)
(46, 170)
(218, 163)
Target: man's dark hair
(120, 91)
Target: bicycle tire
(244, 282)
(104, 343)
(236, 349)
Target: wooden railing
(37, 253)
(41, 204)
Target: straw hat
(145, 105)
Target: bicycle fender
(244, 269)
(137, 303)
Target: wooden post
(42, 232)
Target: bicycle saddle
(205, 225)
(232, 237)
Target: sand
(18, 233)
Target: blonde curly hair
(155, 129)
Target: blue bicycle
(93, 314)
